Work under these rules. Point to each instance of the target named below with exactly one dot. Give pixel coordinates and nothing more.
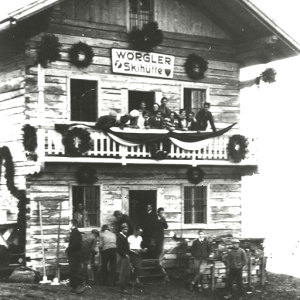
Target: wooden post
(212, 276)
(43, 250)
(58, 237)
(263, 271)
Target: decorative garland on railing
(29, 138)
(19, 194)
(195, 66)
(81, 48)
(237, 147)
(195, 175)
(49, 50)
(69, 141)
(148, 38)
(86, 175)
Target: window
(83, 100)
(136, 97)
(86, 205)
(195, 204)
(193, 99)
(140, 12)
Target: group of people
(160, 117)
(235, 261)
(129, 244)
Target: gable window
(193, 99)
(140, 12)
(195, 205)
(86, 205)
(83, 100)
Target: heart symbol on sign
(168, 72)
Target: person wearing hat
(236, 260)
(89, 241)
(108, 248)
(123, 251)
(123, 218)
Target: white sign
(142, 63)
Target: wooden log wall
(12, 116)
(221, 77)
(53, 185)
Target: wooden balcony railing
(105, 149)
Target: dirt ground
(278, 287)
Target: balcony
(106, 150)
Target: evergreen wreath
(237, 147)
(49, 50)
(195, 66)
(29, 138)
(69, 142)
(195, 175)
(19, 194)
(147, 38)
(81, 48)
(86, 175)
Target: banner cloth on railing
(187, 140)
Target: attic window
(140, 12)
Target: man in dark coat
(200, 251)
(156, 121)
(123, 251)
(203, 116)
(147, 223)
(165, 110)
(123, 218)
(158, 235)
(74, 252)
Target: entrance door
(138, 201)
(136, 97)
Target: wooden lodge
(229, 35)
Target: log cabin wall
(12, 116)
(54, 184)
(104, 27)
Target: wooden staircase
(151, 268)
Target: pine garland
(19, 194)
(49, 50)
(29, 138)
(147, 38)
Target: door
(138, 201)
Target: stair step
(152, 275)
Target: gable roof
(247, 25)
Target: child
(236, 259)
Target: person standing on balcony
(156, 121)
(182, 119)
(155, 109)
(165, 111)
(143, 107)
(123, 218)
(191, 123)
(236, 260)
(171, 122)
(204, 116)
(108, 250)
(200, 251)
